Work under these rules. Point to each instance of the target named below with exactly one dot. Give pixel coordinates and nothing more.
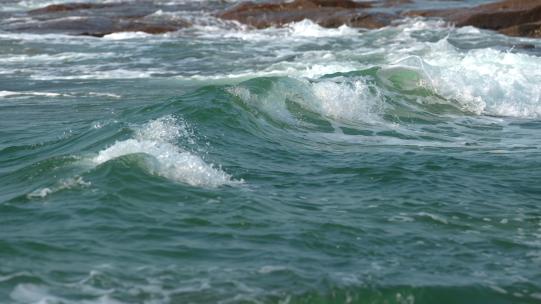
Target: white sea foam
(48, 58)
(109, 74)
(126, 35)
(111, 95)
(271, 268)
(157, 140)
(13, 94)
(64, 184)
(49, 38)
(293, 69)
(39, 294)
(272, 102)
(339, 100)
(307, 28)
(434, 217)
(346, 100)
(482, 81)
(487, 81)
(29, 94)
(31, 293)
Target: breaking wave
(157, 140)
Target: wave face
(222, 164)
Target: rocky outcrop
(97, 19)
(510, 17)
(326, 13)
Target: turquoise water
(219, 164)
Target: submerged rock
(510, 17)
(326, 13)
(99, 19)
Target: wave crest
(156, 139)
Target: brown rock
(54, 8)
(510, 17)
(394, 3)
(327, 13)
(95, 19)
(532, 30)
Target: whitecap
(308, 28)
(482, 81)
(348, 100)
(294, 31)
(157, 139)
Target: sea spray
(157, 139)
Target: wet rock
(394, 3)
(532, 30)
(326, 13)
(510, 17)
(98, 19)
(54, 8)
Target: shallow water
(292, 165)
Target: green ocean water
(220, 164)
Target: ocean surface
(222, 164)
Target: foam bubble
(156, 139)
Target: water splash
(157, 140)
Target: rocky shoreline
(99, 19)
(510, 17)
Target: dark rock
(532, 30)
(54, 8)
(98, 19)
(326, 13)
(394, 3)
(510, 17)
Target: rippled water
(291, 165)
